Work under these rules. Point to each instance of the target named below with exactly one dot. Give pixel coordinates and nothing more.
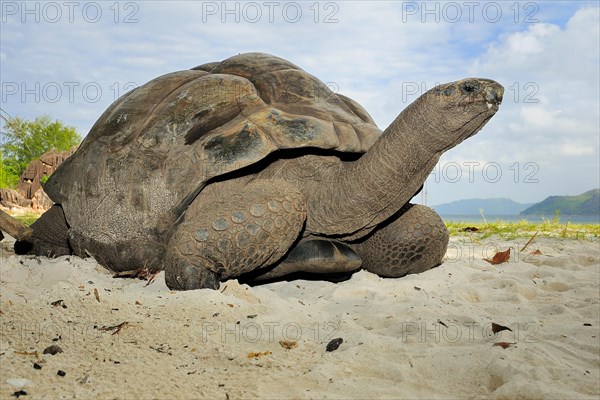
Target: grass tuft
(27, 218)
(524, 229)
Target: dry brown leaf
(152, 277)
(536, 253)
(504, 345)
(288, 344)
(499, 258)
(254, 354)
(499, 328)
(96, 295)
(134, 273)
(143, 273)
(116, 328)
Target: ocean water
(574, 219)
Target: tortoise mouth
(484, 103)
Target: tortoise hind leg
(49, 236)
(325, 258)
(412, 241)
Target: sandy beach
(422, 336)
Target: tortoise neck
(368, 191)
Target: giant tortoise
(252, 168)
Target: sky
(70, 60)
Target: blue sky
(71, 60)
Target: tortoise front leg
(412, 241)
(233, 228)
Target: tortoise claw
(184, 276)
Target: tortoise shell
(154, 149)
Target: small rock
(37, 366)
(334, 344)
(19, 393)
(61, 372)
(52, 350)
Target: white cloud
(551, 109)
(373, 53)
(577, 149)
(562, 77)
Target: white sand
(422, 336)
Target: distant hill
(499, 206)
(587, 203)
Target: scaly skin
(413, 241)
(232, 229)
(49, 235)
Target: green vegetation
(525, 229)
(9, 176)
(22, 141)
(28, 218)
(587, 203)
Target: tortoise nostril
(492, 95)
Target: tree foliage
(22, 141)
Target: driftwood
(14, 228)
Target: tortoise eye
(470, 87)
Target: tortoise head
(457, 110)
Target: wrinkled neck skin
(347, 199)
(363, 193)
